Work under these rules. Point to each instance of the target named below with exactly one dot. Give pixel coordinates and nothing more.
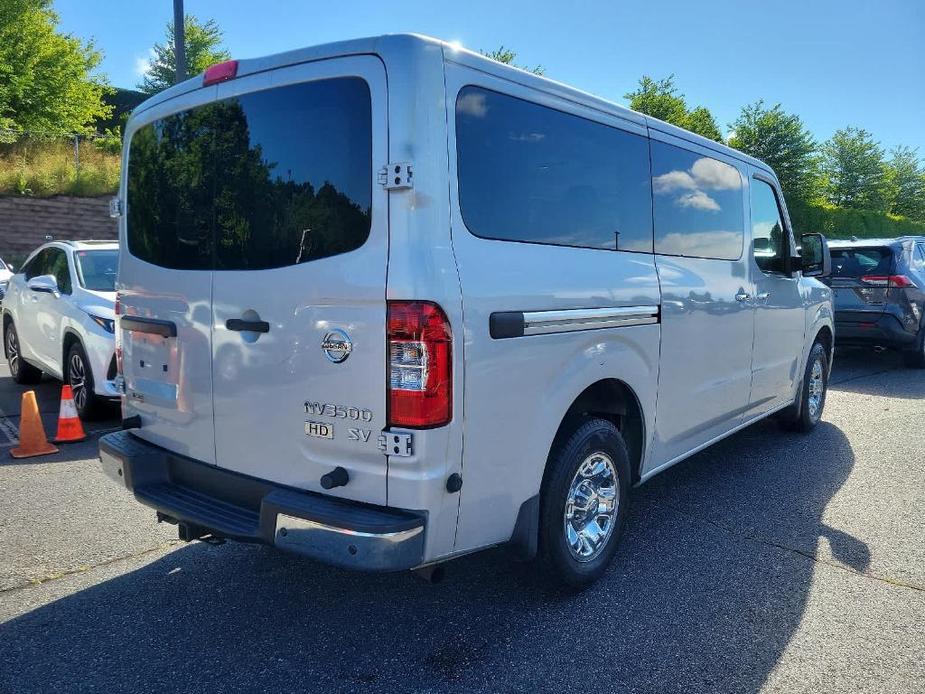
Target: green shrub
(840, 223)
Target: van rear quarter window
(697, 203)
(262, 180)
(534, 174)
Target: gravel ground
(769, 562)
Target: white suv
(58, 316)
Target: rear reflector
(220, 72)
(420, 377)
(891, 281)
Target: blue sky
(835, 63)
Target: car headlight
(107, 324)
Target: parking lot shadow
(707, 591)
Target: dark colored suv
(879, 287)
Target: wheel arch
(69, 337)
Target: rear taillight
(420, 378)
(890, 281)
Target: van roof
(410, 44)
(867, 243)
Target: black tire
(915, 358)
(803, 415)
(79, 376)
(22, 372)
(576, 450)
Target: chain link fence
(43, 164)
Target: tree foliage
(853, 170)
(905, 183)
(782, 141)
(203, 41)
(507, 56)
(47, 80)
(661, 99)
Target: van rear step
(210, 503)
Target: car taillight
(891, 281)
(420, 384)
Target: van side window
(534, 174)
(262, 180)
(697, 201)
(769, 235)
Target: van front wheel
(806, 412)
(583, 504)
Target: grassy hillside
(48, 167)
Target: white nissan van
(386, 302)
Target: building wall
(25, 222)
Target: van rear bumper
(207, 500)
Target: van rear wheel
(583, 504)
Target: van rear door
(301, 243)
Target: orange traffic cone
(70, 429)
(32, 439)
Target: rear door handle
(254, 326)
(763, 296)
(743, 296)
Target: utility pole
(179, 40)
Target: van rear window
(857, 262)
(262, 180)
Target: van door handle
(743, 296)
(253, 326)
(763, 296)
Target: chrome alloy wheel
(76, 374)
(591, 506)
(12, 350)
(816, 388)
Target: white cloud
(143, 63)
(527, 137)
(699, 201)
(672, 181)
(715, 175)
(472, 104)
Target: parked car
(58, 318)
(6, 272)
(879, 287)
(386, 302)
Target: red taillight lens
(420, 377)
(220, 72)
(891, 281)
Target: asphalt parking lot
(770, 562)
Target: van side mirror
(815, 259)
(46, 284)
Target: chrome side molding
(504, 324)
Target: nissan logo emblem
(337, 346)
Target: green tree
(507, 56)
(905, 183)
(853, 170)
(781, 141)
(661, 99)
(203, 48)
(47, 80)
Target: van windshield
(262, 180)
(858, 262)
(96, 270)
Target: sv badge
(358, 434)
